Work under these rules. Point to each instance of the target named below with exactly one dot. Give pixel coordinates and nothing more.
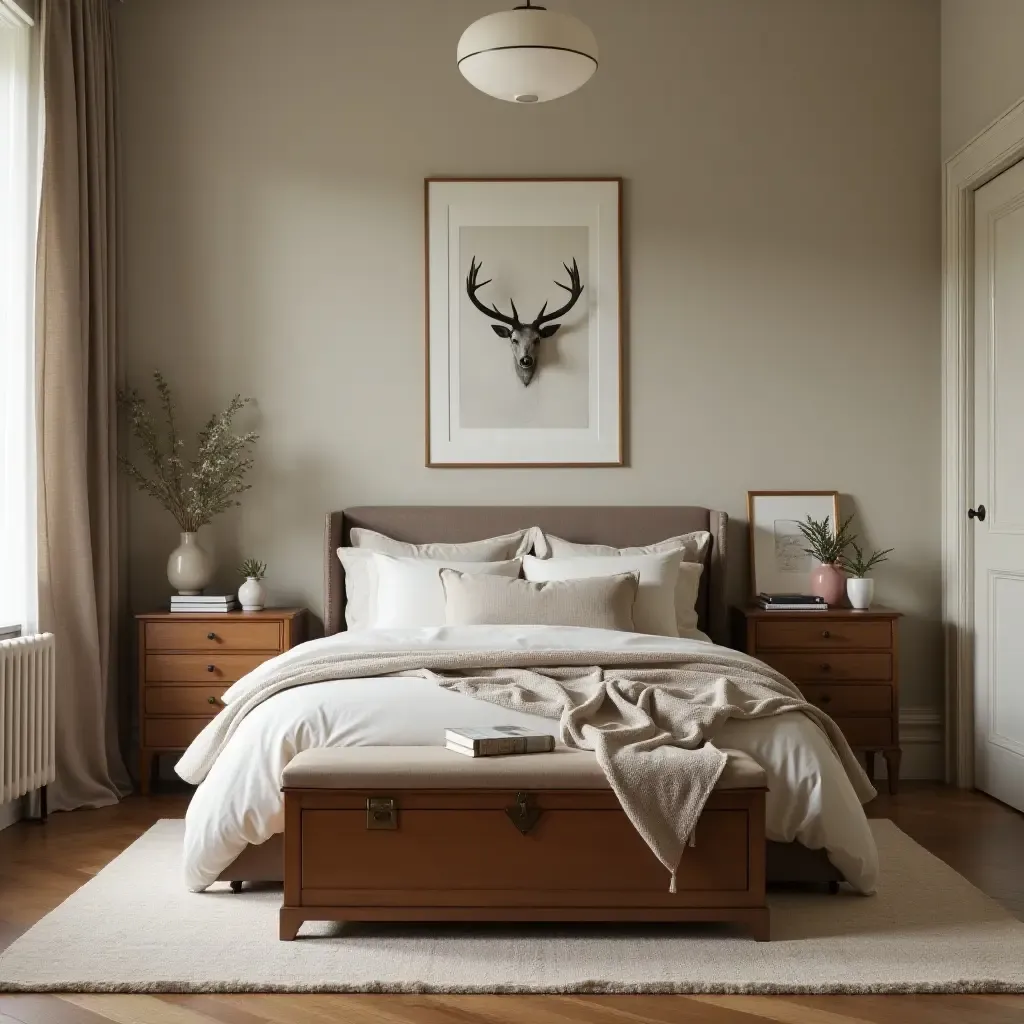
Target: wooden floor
(41, 865)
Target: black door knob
(211, 668)
(979, 514)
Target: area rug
(134, 928)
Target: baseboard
(922, 740)
(10, 813)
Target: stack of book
(494, 741)
(204, 603)
(791, 603)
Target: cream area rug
(134, 928)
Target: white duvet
(810, 798)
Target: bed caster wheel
(833, 888)
(236, 887)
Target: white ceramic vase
(252, 595)
(861, 592)
(190, 566)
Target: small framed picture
(778, 562)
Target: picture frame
(524, 339)
(778, 563)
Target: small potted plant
(859, 588)
(251, 593)
(826, 546)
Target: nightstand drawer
(866, 732)
(173, 733)
(183, 700)
(209, 634)
(821, 666)
(200, 668)
(850, 699)
(832, 633)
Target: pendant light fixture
(528, 54)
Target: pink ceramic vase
(828, 582)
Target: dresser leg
(289, 923)
(869, 765)
(892, 764)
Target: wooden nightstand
(844, 661)
(186, 662)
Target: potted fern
(251, 593)
(827, 545)
(859, 587)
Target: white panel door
(998, 510)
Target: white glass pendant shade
(528, 55)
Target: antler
(575, 290)
(493, 312)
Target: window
(19, 203)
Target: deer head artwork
(524, 337)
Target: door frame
(998, 147)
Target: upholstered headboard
(619, 525)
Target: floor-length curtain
(77, 284)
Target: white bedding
(810, 797)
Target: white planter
(861, 592)
(252, 595)
(190, 567)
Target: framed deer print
(524, 336)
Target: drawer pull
(825, 633)
(825, 667)
(823, 699)
(211, 668)
(211, 636)
(215, 701)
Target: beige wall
(982, 66)
(782, 245)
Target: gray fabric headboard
(619, 525)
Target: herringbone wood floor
(41, 866)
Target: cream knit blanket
(650, 717)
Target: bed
(817, 826)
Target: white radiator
(27, 727)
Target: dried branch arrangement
(193, 490)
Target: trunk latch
(381, 812)
(522, 815)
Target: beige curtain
(77, 286)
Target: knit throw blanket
(650, 718)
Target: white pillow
(655, 608)
(693, 548)
(361, 584)
(490, 549)
(693, 545)
(410, 592)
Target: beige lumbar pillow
(604, 602)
